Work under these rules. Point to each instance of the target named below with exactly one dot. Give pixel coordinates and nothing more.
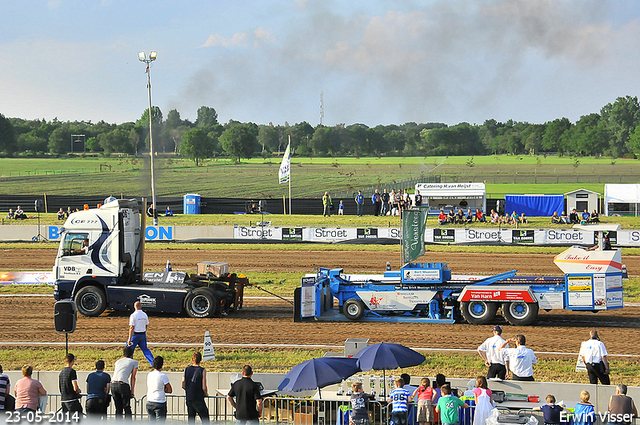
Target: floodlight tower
(152, 56)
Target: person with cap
(594, 355)
(489, 351)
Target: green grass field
(257, 178)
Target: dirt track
(270, 321)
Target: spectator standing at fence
(425, 395)
(376, 200)
(69, 388)
(448, 406)
(482, 396)
(386, 205)
(5, 388)
(622, 409)
(399, 398)
(359, 406)
(158, 387)
(138, 322)
(245, 397)
(326, 205)
(489, 351)
(406, 200)
(28, 391)
(194, 383)
(341, 208)
(594, 355)
(359, 203)
(98, 387)
(521, 359)
(417, 199)
(121, 389)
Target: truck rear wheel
(353, 309)
(520, 313)
(90, 301)
(478, 312)
(201, 303)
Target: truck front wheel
(353, 309)
(478, 312)
(520, 313)
(90, 301)
(201, 303)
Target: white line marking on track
(245, 345)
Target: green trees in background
(613, 131)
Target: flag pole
(290, 177)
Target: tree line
(614, 131)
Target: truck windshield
(74, 244)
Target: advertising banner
(255, 232)
(566, 237)
(328, 234)
(414, 222)
(523, 236)
(292, 233)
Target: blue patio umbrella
(318, 373)
(387, 356)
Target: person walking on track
(138, 322)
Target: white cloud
(238, 39)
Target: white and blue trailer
(428, 292)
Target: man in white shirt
(158, 387)
(121, 389)
(489, 351)
(138, 322)
(521, 359)
(594, 355)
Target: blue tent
(534, 205)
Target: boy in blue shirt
(448, 406)
(399, 398)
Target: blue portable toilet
(191, 203)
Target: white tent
(453, 195)
(628, 194)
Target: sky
(374, 61)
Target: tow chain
(269, 292)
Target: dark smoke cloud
(449, 61)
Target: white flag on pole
(285, 167)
